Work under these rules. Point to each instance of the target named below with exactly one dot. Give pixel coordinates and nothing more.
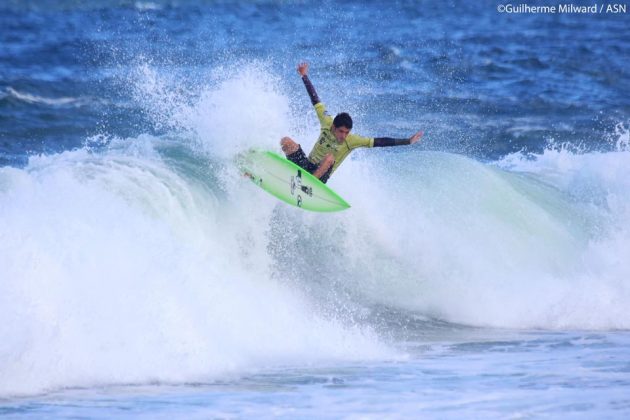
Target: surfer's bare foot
(289, 146)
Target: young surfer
(335, 141)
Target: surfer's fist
(416, 137)
(303, 69)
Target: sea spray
(233, 110)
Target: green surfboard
(288, 182)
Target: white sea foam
(116, 270)
(542, 245)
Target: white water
(119, 266)
(116, 270)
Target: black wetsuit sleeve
(388, 141)
(311, 90)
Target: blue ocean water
(480, 273)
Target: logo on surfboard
(296, 184)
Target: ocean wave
(151, 259)
(43, 100)
(148, 262)
(145, 6)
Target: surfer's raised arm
(303, 70)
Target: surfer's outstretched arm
(303, 70)
(388, 141)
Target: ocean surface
(481, 273)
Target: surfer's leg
(326, 175)
(298, 157)
(324, 167)
(289, 146)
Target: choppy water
(481, 273)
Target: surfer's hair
(343, 120)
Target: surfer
(335, 141)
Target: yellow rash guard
(327, 143)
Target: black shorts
(300, 159)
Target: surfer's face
(340, 133)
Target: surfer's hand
(416, 137)
(302, 69)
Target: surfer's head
(342, 124)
